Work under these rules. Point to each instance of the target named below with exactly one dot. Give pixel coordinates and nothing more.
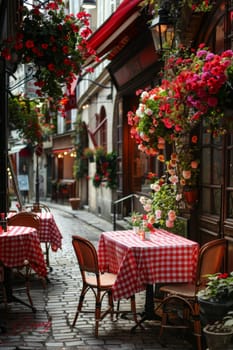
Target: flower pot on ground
(216, 299)
(212, 311)
(75, 203)
(218, 335)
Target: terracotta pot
(75, 202)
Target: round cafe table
(18, 244)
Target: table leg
(148, 313)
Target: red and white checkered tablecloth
(48, 232)
(164, 258)
(21, 243)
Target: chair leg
(163, 324)
(97, 313)
(111, 304)
(27, 283)
(80, 304)
(197, 325)
(4, 294)
(29, 294)
(134, 311)
(47, 246)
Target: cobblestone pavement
(50, 327)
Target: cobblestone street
(50, 327)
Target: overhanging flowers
(196, 88)
(54, 42)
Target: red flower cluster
(55, 42)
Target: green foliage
(106, 169)
(33, 124)
(80, 141)
(111, 173)
(219, 287)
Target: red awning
(104, 36)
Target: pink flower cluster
(192, 91)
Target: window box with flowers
(106, 169)
(54, 42)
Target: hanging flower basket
(54, 42)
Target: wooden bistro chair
(100, 283)
(183, 296)
(40, 208)
(27, 219)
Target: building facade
(133, 63)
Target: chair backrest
(86, 255)
(24, 218)
(210, 261)
(38, 208)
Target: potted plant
(75, 203)
(162, 207)
(89, 153)
(218, 335)
(100, 154)
(136, 220)
(216, 299)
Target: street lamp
(163, 31)
(89, 4)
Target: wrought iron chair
(29, 220)
(183, 296)
(100, 283)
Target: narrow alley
(50, 327)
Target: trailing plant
(80, 141)
(111, 171)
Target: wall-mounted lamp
(163, 31)
(89, 4)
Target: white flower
(174, 179)
(144, 94)
(178, 197)
(147, 207)
(142, 200)
(148, 111)
(155, 187)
